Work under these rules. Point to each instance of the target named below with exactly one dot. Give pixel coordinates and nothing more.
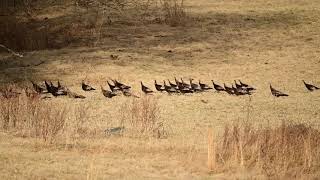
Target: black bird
(183, 89)
(277, 93)
(158, 87)
(235, 91)
(240, 91)
(238, 86)
(204, 86)
(86, 87)
(195, 87)
(177, 82)
(107, 93)
(173, 85)
(37, 88)
(145, 89)
(113, 88)
(243, 84)
(61, 90)
(229, 90)
(217, 87)
(310, 87)
(54, 88)
(59, 86)
(120, 85)
(48, 86)
(185, 84)
(246, 86)
(169, 89)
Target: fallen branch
(11, 51)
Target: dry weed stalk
(211, 150)
(275, 150)
(31, 116)
(143, 118)
(174, 12)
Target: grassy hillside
(259, 42)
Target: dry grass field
(165, 136)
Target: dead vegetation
(163, 136)
(26, 114)
(142, 117)
(29, 30)
(290, 150)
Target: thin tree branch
(11, 51)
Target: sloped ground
(259, 42)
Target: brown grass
(142, 117)
(31, 116)
(255, 41)
(291, 149)
(174, 12)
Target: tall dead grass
(291, 150)
(142, 118)
(174, 12)
(30, 116)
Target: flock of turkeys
(177, 87)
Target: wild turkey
(184, 90)
(229, 90)
(55, 91)
(145, 89)
(107, 93)
(185, 84)
(86, 87)
(204, 87)
(245, 86)
(54, 88)
(310, 87)
(235, 91)
(195, 87)
(217, 87)
(120, 85)
(37, 88)
(48, 86)
(277, 93)
(240, 91)
(173, 85)
(158, 87)
(61, 90)
(59, 85)
(238, 86)
(113, 88)
(177, 82)
(126, 92)
(51, 89)
(169, 89)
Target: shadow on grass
(220, 30)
